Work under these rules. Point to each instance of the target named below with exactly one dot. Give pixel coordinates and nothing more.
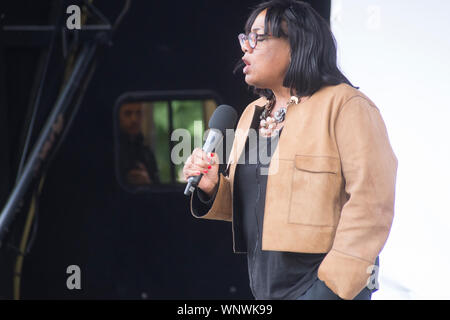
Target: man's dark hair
(313, 46)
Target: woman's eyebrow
(255, 29)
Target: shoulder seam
(355, 96)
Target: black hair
(313, 46)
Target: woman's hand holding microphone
(208, 164)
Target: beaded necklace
(268, 124)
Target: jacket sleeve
(219, 207)
(201, 202)
(222, 204)
(369, 168)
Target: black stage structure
(58, 92)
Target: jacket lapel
(248, 119)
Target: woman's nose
(246, 47)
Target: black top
(272, 274)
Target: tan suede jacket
(331, 185)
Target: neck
(282, 97)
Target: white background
(398, 53)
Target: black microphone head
(224, 117)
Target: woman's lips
(247, 65)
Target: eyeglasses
(252, 38)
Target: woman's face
(267, 63)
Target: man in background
(137, 162)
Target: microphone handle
(209, 146)
(213, 139)
(192, 184)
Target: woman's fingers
(195, 170)
(200, 162)
(202, 159)
(198, 166)
(190, 173)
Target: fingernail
(209, 167)
(206, 171)
(212, 154)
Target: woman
(314, 218)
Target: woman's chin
(250, 81)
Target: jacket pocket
(315, 191)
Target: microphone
(224, 117)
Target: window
(144, 123)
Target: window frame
(153, 96)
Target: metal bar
(35, 35)
(37, 101)
(171, 143)
(96, 11)
(35, 160)
(40, 28)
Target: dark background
(128, 246)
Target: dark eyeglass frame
(252, 38)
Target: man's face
(130, 117)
